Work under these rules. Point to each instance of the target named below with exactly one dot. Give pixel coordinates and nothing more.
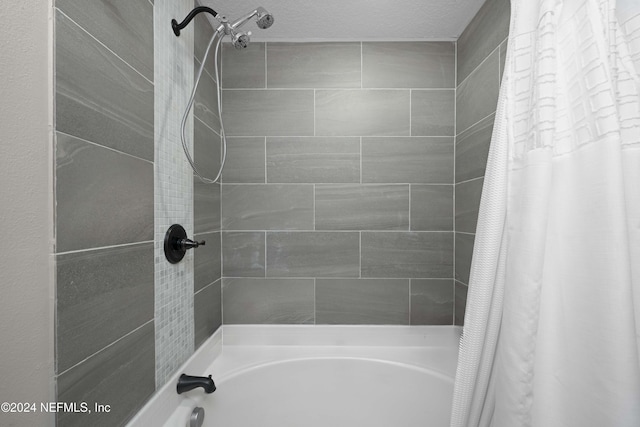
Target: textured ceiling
(341, 20)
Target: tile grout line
(478, 122)
(410, 284)
(104, 45)
(336, 278)
(350, 136)
(361, 65)
(455, 138)
(207, 286)
(106, 347)
(410, 115)
(361, 161)
(360, 254)
(266, 179)
(497, 48)
(100, 248)
(469, 180)
(205, 70)
(195, 117)
(221, 305)
(337, 88)
(291, 231)
(352, 183)
(103, 146)
(410, 207)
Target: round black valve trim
(176, 243)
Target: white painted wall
(26, 209)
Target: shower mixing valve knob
(176, 243)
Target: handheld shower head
(263, 18)
(240, 40)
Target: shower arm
(240, 22)
(177, 27)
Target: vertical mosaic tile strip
(173, 75)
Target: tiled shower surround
(337, 196)
(120, 331)
(482, 49)
(337, 201)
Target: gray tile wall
(337, 198)
(481, 52)
(207, 298)
(104, 104)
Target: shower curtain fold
(551, 335)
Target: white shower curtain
(551, 335)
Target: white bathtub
(316, 376)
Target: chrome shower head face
(263, 18)
(241, 40)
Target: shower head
(263, 19)
(240, 40)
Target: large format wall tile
(244, 254)
(379, 153)
(121, 375)
(460, 303)
(419, 160)
(362, 207)
(503, 57)
(362, 301)
(205, 102)
(103, 197)
(313, 65)
(125, 27)
(201, 36)
(206, 149)
(99, 97)
(313, 254)
(243, 68)
(206, 207)
(245, 160)
(268, 301)
(267, 207)
(431, 207)
(472, 149)
(408, 65)
(101, 296)
(477, 96)
(432, 112)
(467, 205)
(484, 33)
(431, 301)
(464, 254)
(362, 112)
(313, 159)
(268, 112)
(207, 262)
(410, 254)
(207, 312)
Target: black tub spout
(187, 382)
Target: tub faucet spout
(187, 382)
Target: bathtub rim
(165, 402)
